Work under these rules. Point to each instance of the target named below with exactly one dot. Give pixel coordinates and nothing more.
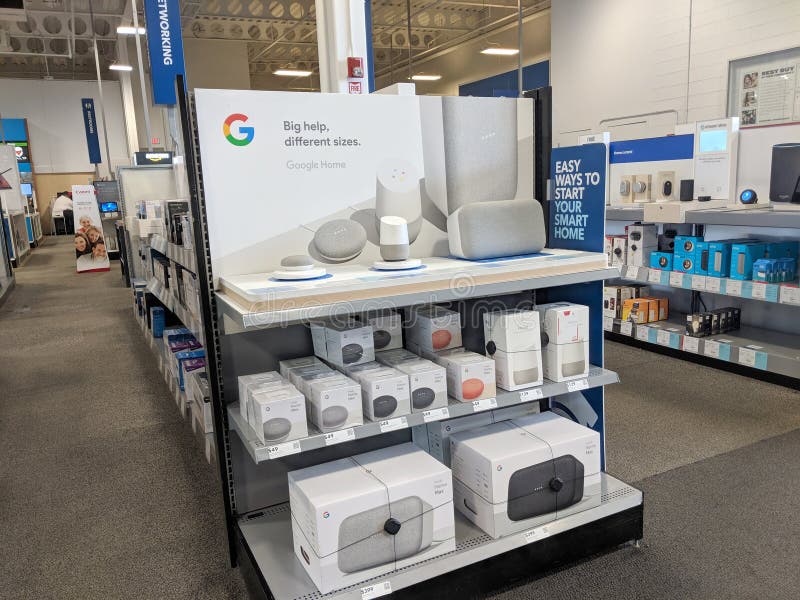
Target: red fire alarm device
(355, 67)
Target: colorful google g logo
(326, 514)
(247, 132)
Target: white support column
(341, 32)
(128, 107)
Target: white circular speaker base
(300, 275)
(397, 265)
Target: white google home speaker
(513, 340)
(433, 328)
(565, 347)
(334, 403)
(279, 415)
(342, 344)
(397, 194)
(518, 474)
(367, 515)
(496, 229)
(394, 245)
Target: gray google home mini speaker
(276, 430)
(334, 417)
(340, 240)
(496, 229)
(403, 531)
(422, 398)
(544, 488)
(383, 406)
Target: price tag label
(626, 328)
(760, 291)
(654, 276)
(633, 272)
(711, 349)
(337, 437)
(676, 279)
(534, 394)
(747, 357)
(713, 284)
(790, 295)
(577, 385)
(376, 591)
(642, 333)
(534, 534)
(608, 323)
(691, 344)
(393, 424)
(699, 282)
(485, 404)
(285, 449)
(662, 337)
(734, 287)
(436, 414)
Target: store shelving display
(252, 320)
(757, 217)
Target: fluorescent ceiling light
(426, 77)
(128, 30)
(116, 67)
(500, 51)
(291, 73)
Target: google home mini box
(385, 393)
(470, 376)
(343, 344)
(513, 340)
(396, 356)
(566, 329)
(334, 403)
(435, 437)
(364, 516)
(387, 329)
(427, 384)
(518, 474)
(260, 387)
(433, 328)
(296, 363)
(279, 415)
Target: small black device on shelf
(687, 190)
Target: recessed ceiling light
(116, 67)
(291, 73)
(127, 30)
(500, 51)
(426, 77)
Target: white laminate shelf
(261, 452)
(777, 293)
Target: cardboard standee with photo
(90, 248)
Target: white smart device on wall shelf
(716, 147)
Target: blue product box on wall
(743, 256)
(701, 258)
(661, 260)
(158, 320)
(782, 250)
(684, 263)
(687, 244)
(719, 259)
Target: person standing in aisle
(62, 205)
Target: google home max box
(565, 326)
(364, 516)
(518, 474)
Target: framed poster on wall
(765, 89)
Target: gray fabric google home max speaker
(480, 150)
(495, 229)
(385, 534)
(545, 488)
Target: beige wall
(49, 184)
(217, 64)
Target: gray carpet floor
(105, 493)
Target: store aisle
(103, 491)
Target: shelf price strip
(337, 437)
(436, 414)
(285, 449)
(534, 394)
(383, 588)
(485, 404)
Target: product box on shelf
(519, 474)
(608, 248)
(279, 414)
(642, 240)
(684, 263)
(361, 517)
(470, 376)
(188, 366)
(334, 403)
(434, 437)
(433, 328)
(296, 363)
(782, 249)
(157, 320)
(613, 298)
(385, 393)
(686, 245)
(743, 255)
(246, 381)
(659, 309)
(701, 255)
(666, 240)
(427, 384)
(178, 358)
(619, 253)
(661, 260)
(639, 310)
(347, 343)
(387, 329)
(514, 341)
(566, 329)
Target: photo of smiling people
(90, 247)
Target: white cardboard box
(279, 415)
(387, 330)
(427, 384)
(514, 341)
(385, 393)
(245, 381)
(470, 376)
(334, 403)
(361, 517)
(343, 344)
(642, 240)
(565, 356)
(434, 328)
(295, 363)
(518, 474)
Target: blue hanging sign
(90, 125)
(578, 197)
(165, 46)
